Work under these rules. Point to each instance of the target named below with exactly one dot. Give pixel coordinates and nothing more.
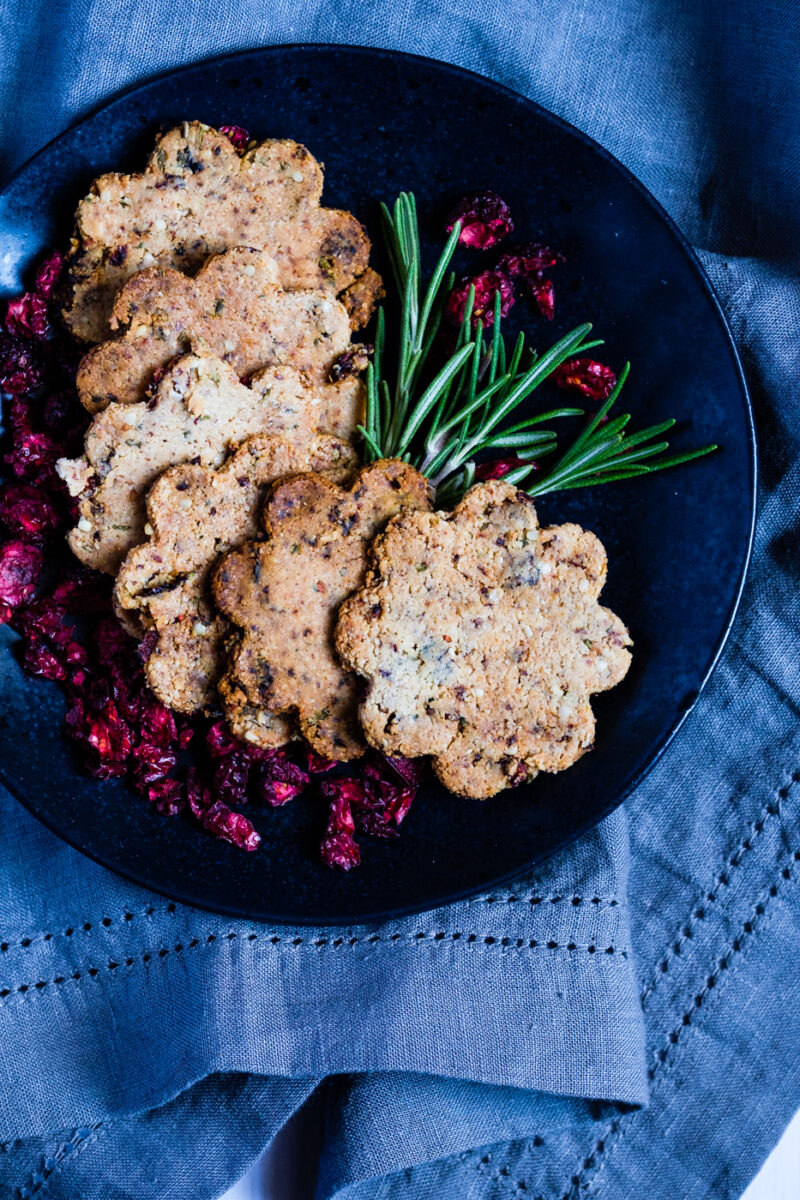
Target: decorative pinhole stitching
(434, 938)
(86, 926)
(664, 1056)
(80, 1139)
(769, 810)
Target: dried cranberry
(487, 285)
(230, 826)
(390, 785)
(528, 262)
(27, 512)
(198, 794)
(40, 659)
(20, 566)
(20, 368)
(350, 362)
(147, 645)
(485, 220)
(236, 134)
(316, 764)
(220, 740)
(33, 455)
(231, 777)
(49, 273)
(496, 468)
(280, 779)
(151, 763)
(26, 316)
(339, 848)
(167, 796)
(585, 375)
(544, 294)
(105, 736)
(157, 722)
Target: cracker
(234, 308)
(481, 640)
(198, 412)
(198, 513)
(198, 197)
(283, 594)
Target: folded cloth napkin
(152, 1051)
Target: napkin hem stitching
(457, 937)
(596, 1159)
(599, 903)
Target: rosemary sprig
(442, 417)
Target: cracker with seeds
(197, 413)
(198, 196)
(234, 308)
(481, 639)
(197, 513)
(283, 594)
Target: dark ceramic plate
(678, 544)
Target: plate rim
(384, 914)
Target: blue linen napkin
(463, 1067)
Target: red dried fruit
(231, 777)
(544, 294)
(27, 512)
(485, 220)
(26, 316)
(167, 796)
(236, 134)
(49, 273)
(585, 375)
(496, 468)
(390, 785)
(220, 740)
(351, 362)
(156, 721)
(487, 285)
(20, 368)
(147, 645)
(528, 262)
(198, 794)
(339, 848)
(105, 737)
(217, 818)
(230, 826)
(20, 567)
(151, 763)
(280, 779)
(316, 764)
(40, 659)
(33, 455)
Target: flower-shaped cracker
(234, 308)
(198, 197)
(482, 640)
(196, 514)
(283, 594)
(198, 413)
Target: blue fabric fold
(463, 1067)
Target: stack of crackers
(265, 569)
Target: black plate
(678, 544)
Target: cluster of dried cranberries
(119, 727)
(485, 220)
